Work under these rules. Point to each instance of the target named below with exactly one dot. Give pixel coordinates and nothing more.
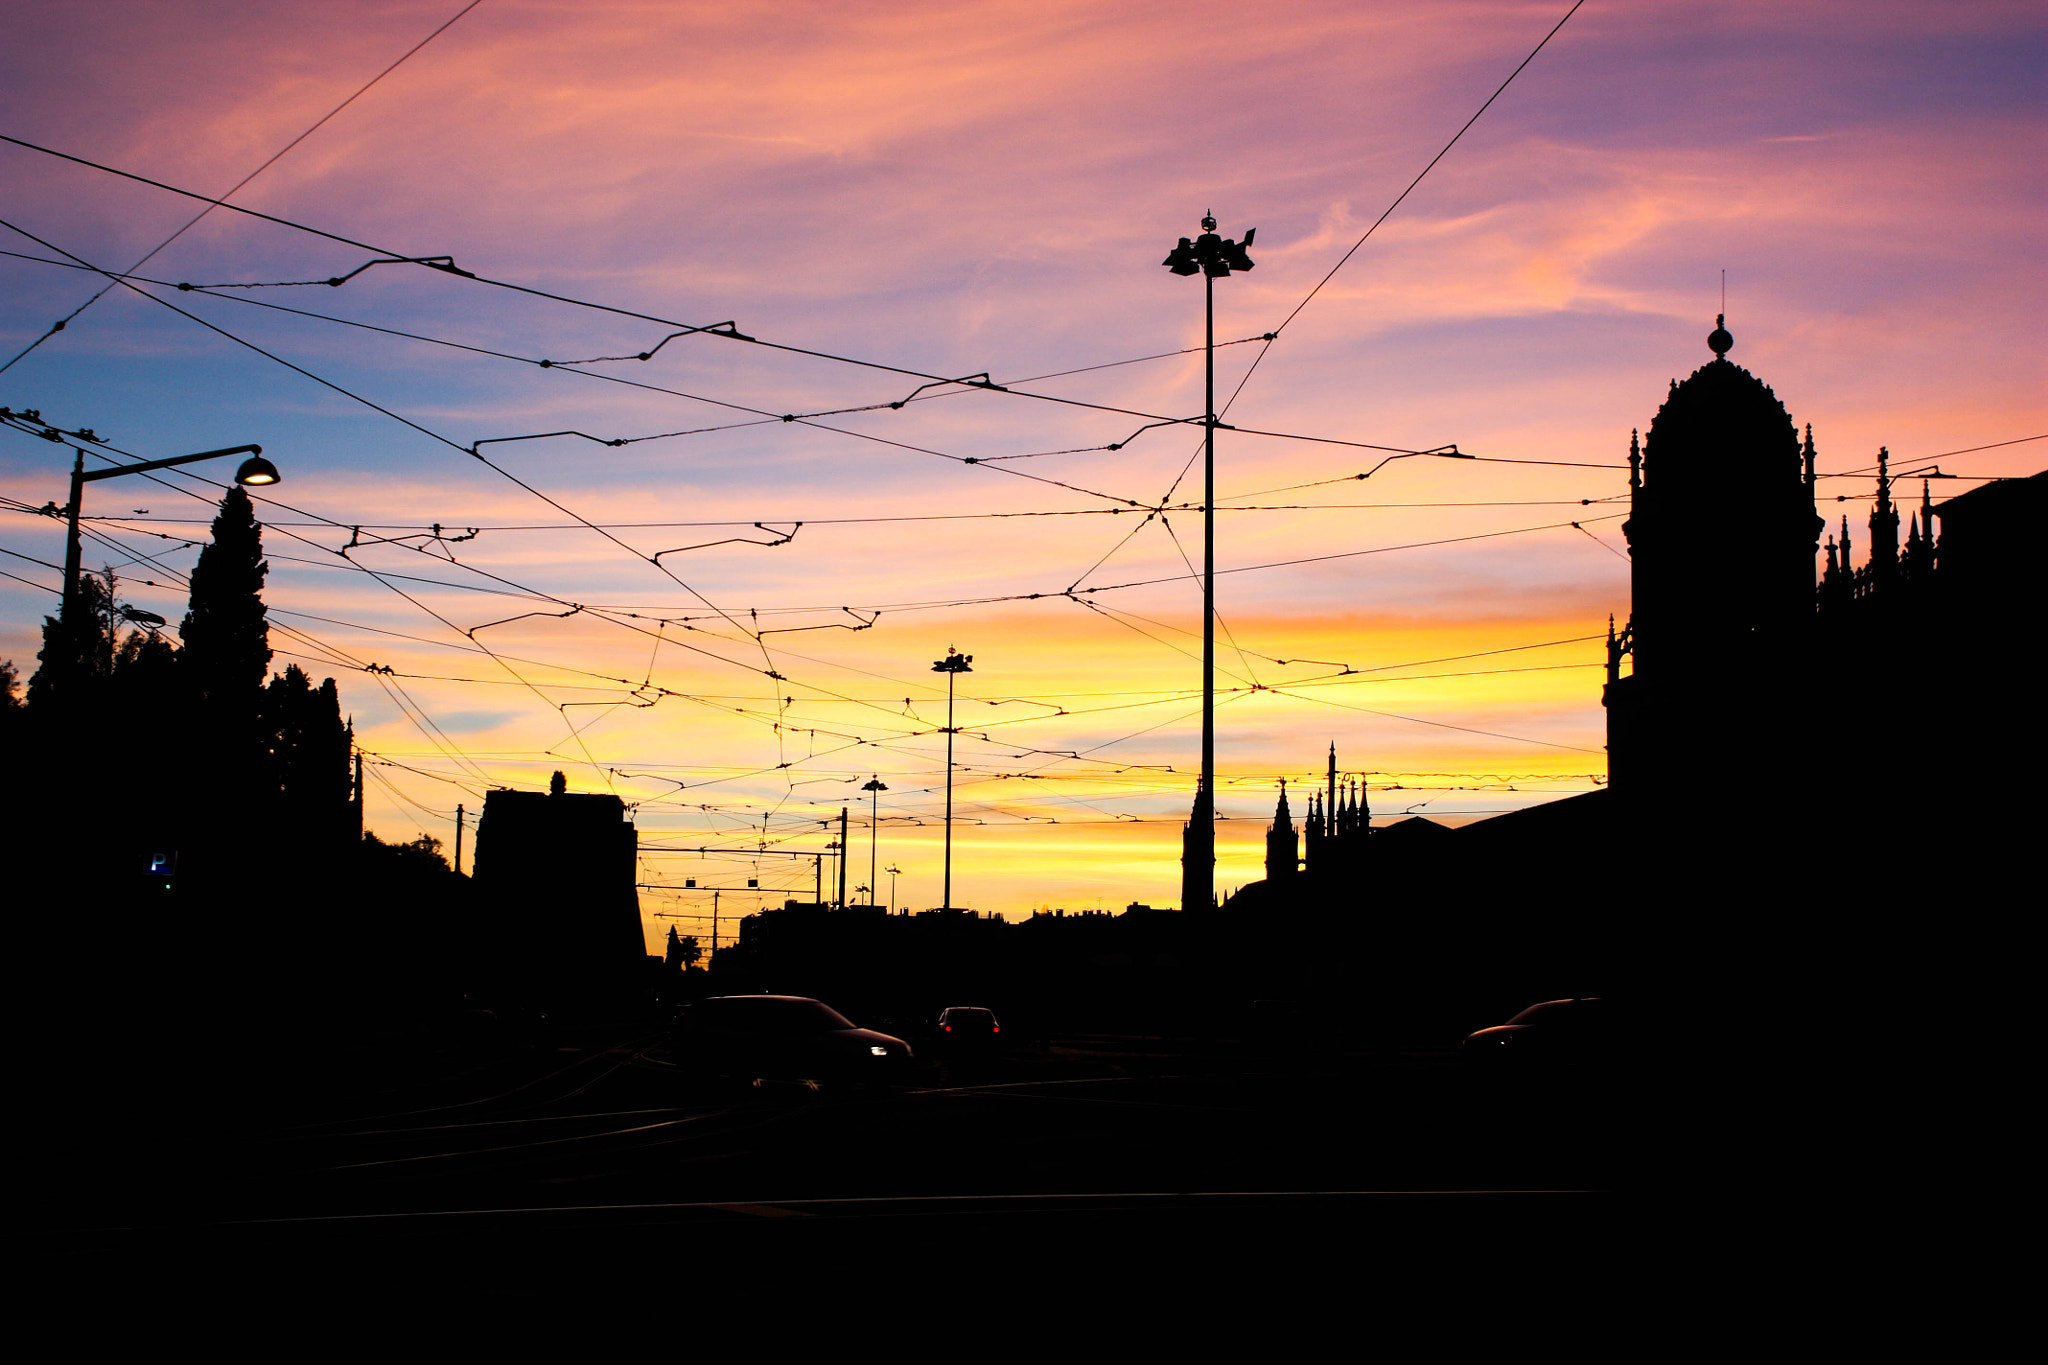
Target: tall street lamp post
(953, 665)
(874, 787)
(1211, 257)
(892, 870)
(255, 472)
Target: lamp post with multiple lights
(953, 665)
(1211, 257)
(874, 787)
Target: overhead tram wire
(931, 605)
(497, 656)
(713, 655)
(764, 417)
(470, 451)
(100, 452)
(446, 266)
(407, 706)
(238, 185)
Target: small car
(784, 1038)
(1584, 1032)
(965, 1028)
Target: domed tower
(1722, 535)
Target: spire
(1635, 460)
(1884, 520)
(1330, 806)
(1364, 806)
(1283, 848)
(1810, 456)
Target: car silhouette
(784, 1038)
(967, 1028)
(1555, 1035)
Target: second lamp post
(953, 665)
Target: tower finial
(1718, 340)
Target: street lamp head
(1210, 254)
(257, 472)
(874, 785)
(954, 662)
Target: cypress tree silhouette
(227, 639)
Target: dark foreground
(488, 1164)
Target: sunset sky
(968, 187)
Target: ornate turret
(1283, 848)
(1884, 521)
(1722, 537)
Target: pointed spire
(1635, 460)
(1810, 456)
(1330, 812)
(1884, 520)
(1283, 820)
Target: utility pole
(953, 665)
(842, 857)
(1210, 256)
(458, 839)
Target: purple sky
(967, 187)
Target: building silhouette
(554, 873)
(1756, 665)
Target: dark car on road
(966, 1029)
(784, 1038)
(1556, 1035)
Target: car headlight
(879, 1051)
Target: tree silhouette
(308, 748)
(78, 648)
(227, 640)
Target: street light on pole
(892, 870)
(1210, 256)
(953, 665)
(255, 472)
(874, 787)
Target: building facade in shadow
(555, 875)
